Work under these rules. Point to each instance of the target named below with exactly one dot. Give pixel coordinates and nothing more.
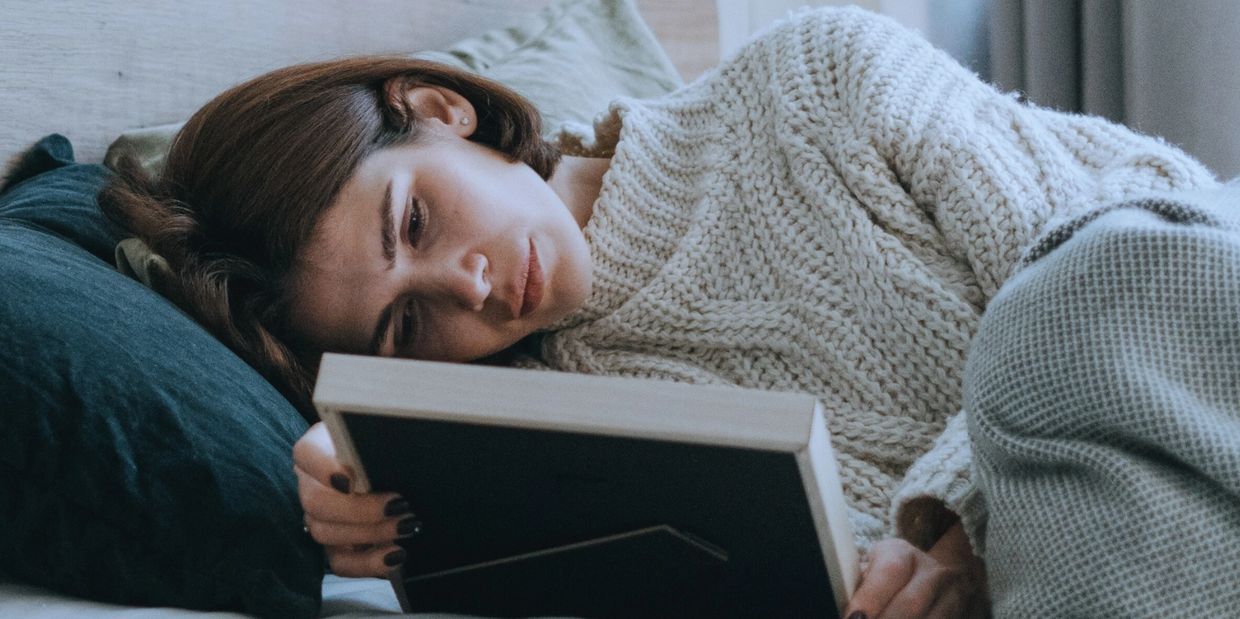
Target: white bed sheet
(352, 598)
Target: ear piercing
(464, 120)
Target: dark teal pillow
(141, 461)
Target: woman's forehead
(343, 241)
(334, 294)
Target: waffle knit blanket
(1103, 396)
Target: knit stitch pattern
(828, 212)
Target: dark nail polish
(409, 526)
(396, 507)
(394, 558)
(340, 482)
(857, 615)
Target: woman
(829, 212)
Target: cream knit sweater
(829, 212)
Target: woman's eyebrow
(387, 229)
(387, 232)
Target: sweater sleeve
(938, 488)
(981, 175)
(988, 170)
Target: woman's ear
(431, 103)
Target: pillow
(141, 462)
(571, 59)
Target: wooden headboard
(91, 69)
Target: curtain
(1163, 68)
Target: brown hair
(250, 175)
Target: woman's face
(439, 250)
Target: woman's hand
(902, 581)
(358, 530)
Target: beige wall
(687, 29)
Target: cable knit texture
(828, 212)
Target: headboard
(91, 69)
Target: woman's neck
(578, 180)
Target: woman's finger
(330, 505)
(339, 534)
(920, 593)
(892, 562)
(374, 561)
(315, 454)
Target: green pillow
(571, 59)
(141, 461)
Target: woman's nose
(467, 282)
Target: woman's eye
(416, 219)
(406, 325)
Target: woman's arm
(973, 175)
(357, 530)
(981, 168)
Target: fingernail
(394, 558)
(340, 482)
(409, 526)
(857, 615)
(396, 507)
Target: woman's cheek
(461, 340)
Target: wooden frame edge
(346, 452)
(829, 509)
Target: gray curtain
(1164, 67)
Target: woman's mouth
(532, 295)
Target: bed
(128, 539)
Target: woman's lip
(532, 295)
